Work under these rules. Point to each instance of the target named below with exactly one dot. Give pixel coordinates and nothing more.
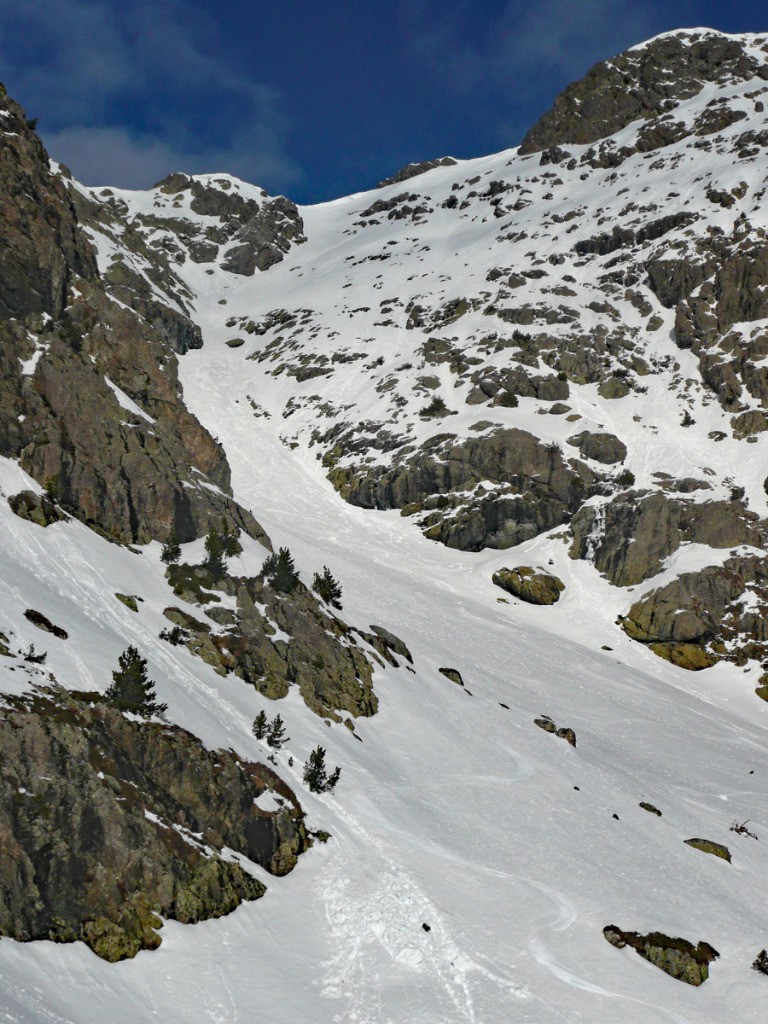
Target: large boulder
(605, 448)
(678, 958)
(534, 586)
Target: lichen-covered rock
(708, 846)
(564, 732)
(678, 958)
(109, 824)
(567, 734)
(453, 674)
(534, 586)
(689, 620)
(36, 508)
(650, 808)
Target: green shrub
(436, 407)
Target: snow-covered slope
(476, 280)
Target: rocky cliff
(108, 825)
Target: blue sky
(311, 99)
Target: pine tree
(315, 775)
(276, 736)
(230, 544)
(760, 963)
(327, 587)
(171, 549)
(269, 566)
(279, 570)
(131, 690)
(215, 562)
(260, 725)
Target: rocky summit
(265, 468)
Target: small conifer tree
(269, 566)
(760, 963)
(316, 775)
(171, 549)
(260, 725)
(131, 689)
(327, 587)
(279, 569)
(276, 736)
(229, 542)
(53, 488)
(215, 561)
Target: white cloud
(115, 156)
(74, 63)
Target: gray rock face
(605, 448)
(629, 538)
(133, 477)
(629, 87)
(99, 817)
(42, 248)
(539, 488)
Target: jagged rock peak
(647, 81)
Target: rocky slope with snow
(518, 405)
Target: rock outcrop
(700, 617)
(538, 487)
(276, 639)
(108, 824)
(629, 538)
(90, 399)
(43, 251)
(678, 958)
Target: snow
(126, 402)
(454, 811)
